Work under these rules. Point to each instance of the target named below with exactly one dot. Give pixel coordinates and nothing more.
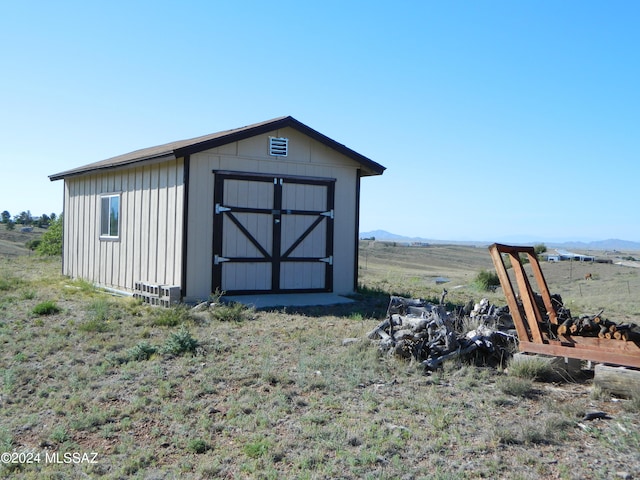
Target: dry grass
(416, 271)
(277, 394)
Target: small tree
(11, 225)
(24, 218)
(6, 217)
(540, 248)
(486, 281)
(51, 242)
(33, 244)
(44, 221)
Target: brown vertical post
(526, 296)
(507, 288)
(544, 289)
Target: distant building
(567, 255)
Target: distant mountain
(383, 235)
(609, 244)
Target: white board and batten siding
(306, 158)
(149, 245)
(305, 197)
(246, 194)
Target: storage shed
(267, 208)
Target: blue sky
(496, 120)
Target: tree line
(27, 220)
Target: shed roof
(181, 148)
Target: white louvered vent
(278, 146)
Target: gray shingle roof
(193, 145)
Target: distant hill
(609, 244)
(383, 235)
(13, 242)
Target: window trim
(108, 235)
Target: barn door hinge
(220, 209)
(328, 260)
(328, 214)
(217, 259)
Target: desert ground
(99, 386)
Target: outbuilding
(268, 208)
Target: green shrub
(51, 241)
(33, 244)
(95, 325)
(101, 310)
(6, 439)
(486, 281)
(59, 434)
(46, 308)
(171, 317)
(531, 368)
(180, 343)
(633, 403)
(540, 248)
(372, 291)
(257, 448)
(142, 351)
(197, 446)
(9, 282)
(99, 313)
(28, 295)
(84, 285)
(516, 386)
(230, 312)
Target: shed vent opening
(278, 146)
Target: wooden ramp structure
(538, 333)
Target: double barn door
(272, 234)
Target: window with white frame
(110, 216)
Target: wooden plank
(583, 352)
(163, 231)
(135, 223)
(544, 289)
(617, 380)
(93, 229)
(144, 223)
(72, 222)
(613, 345)
(532, 313)
(152, 229)
(509, 293)
(174, 205)
(128, 222)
